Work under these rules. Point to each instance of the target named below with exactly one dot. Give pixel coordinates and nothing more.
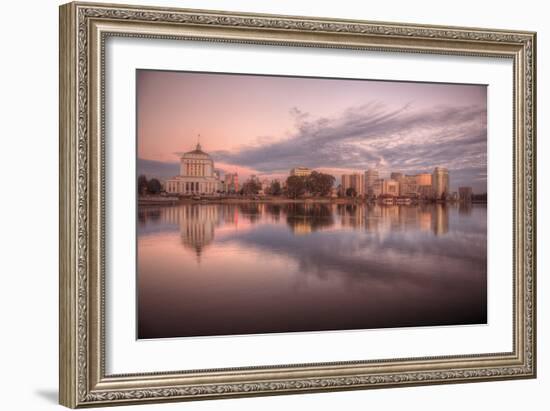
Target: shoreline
(158, 201)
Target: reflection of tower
(352, 215)
(440, 219)
(373, 217)
(424, 220)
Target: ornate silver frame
(83, 30)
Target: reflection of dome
(197, 236)
(197, 223)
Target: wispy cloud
(373, 135)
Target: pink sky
(266, 125)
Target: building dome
(197, 174)
(197, 153)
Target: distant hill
(157, 169)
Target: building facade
(301, 171)
(408, 187)
(371, 178)
(440, 182)
(424, 179)
(231, 183)
(197, 175)
(465, 194)
(356, 181)
(390, 187)
(396, 176)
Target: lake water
(222, 269)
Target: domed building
(197, 175)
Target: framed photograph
(260, 204)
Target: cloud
(402, 138)
(157, 169)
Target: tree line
(316, 184)
(145, 186)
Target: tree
(296, 186)
(251, 186)
(350, 192)
(154, 186)
(142, 184)
(275, 188)
(319, 183)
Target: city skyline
(334, 126)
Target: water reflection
(198, 222)
(327, 266)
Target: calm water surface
(221, 269)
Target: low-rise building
(301, 171)
(465, 194)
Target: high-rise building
(424, 185)
(356, 181)
(390, 187)
(346, 182)
(301, 171)
(231, 182)
(408, 186)
(424, 179)
(221, 183)
(440, 182)
(377, 187)
(465, 194)
(371, 177)
(425, 192)
(396, 176)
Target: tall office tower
(440, 182)
(371, 177)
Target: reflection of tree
(251, 211)
(394, 259)
(382, 218)
(304, 218)
(146, 214)
(197, 222)
(274, 210)
(465, 208)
